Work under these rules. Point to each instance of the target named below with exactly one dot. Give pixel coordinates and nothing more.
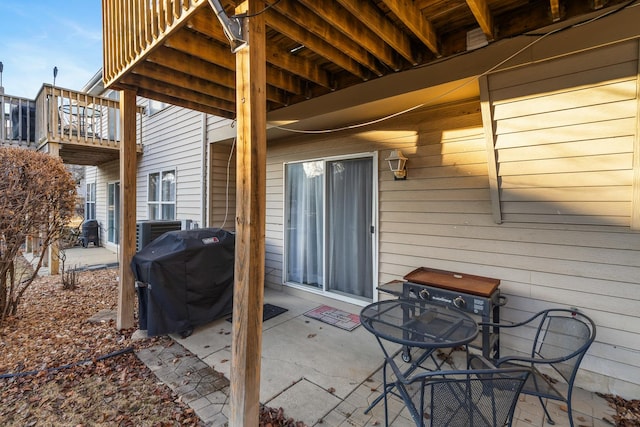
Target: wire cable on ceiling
(462, 85)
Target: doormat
(335, 317)
(268, 311)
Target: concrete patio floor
(319, 374)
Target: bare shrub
(37, 196)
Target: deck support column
(53, 149)
(126, 291)
(250, 219)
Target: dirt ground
(57, 368)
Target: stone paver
(206, 391)
(201, 387)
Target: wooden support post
(250, 220)
(126, 294)
(53, 149)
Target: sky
(38, 35)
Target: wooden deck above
(175, 51)
(85, 127)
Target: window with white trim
(90, 201)
(162, 195)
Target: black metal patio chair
(562, 337)
(475, 398)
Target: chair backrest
(478, 398)
(564, 335)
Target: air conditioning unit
(148, 231)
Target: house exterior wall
(564, 136)
(102, 176)
(173, 138)
(222, 176)
(533, 185)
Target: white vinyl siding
(173, 140)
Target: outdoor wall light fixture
(232, 26)
(397, 164)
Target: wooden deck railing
(18, 121)
(68, 116)
(132, 27)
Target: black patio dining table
(424, 325)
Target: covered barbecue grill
(184, 279)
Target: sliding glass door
(330, 226)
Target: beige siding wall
(222, 172)
(222, 192)
(564, 133)
(441, 217)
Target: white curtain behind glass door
(304, 207)
(349, 222)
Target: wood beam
(275, 77)
(187, 64)
(177, 90)
(412, 17)
(202, 47)
(354, 29)
(555, 10)
(481, 12)
(321, 47)
(177, 78)
(371, 16)
(126, 285)
(318, 29)
(251, 157)
(279, 57)
(299, 66)
(181, 102)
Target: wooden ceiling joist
(278, 57)
(371, 16)
(312, 47)
(197, 84)
(555, 10)
(296, 30)
(175, 90)
(185, 63)
(408, 13)
(199, 46)
(481, 12)
(354, 29)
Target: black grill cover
(186, 280)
